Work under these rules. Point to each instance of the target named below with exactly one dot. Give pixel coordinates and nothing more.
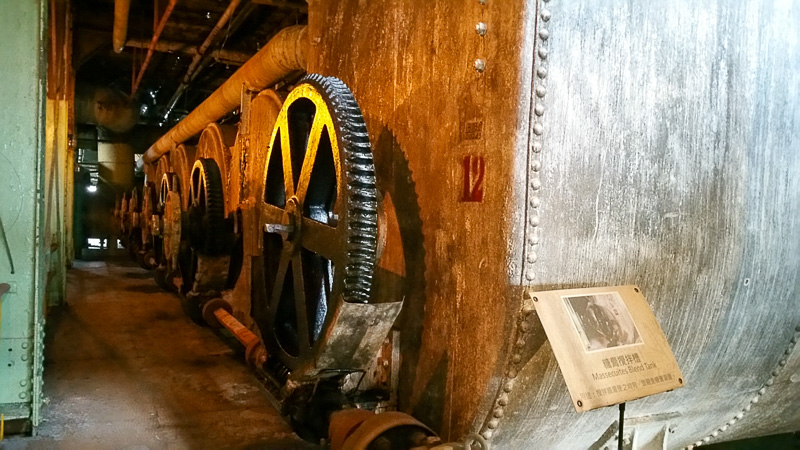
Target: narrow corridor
(125, 368)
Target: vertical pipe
(161, 24)
(121, 9)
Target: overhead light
(91, 189)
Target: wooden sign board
(608, 345)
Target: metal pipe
(285, 53)
(121, 10)
(161, 24)
(105, 107)
(212, 36)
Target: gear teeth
(359, 171)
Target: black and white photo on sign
(602, 321)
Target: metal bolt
(538, 129)
(537, 146)
(541, 72)
(536, 185)
(542, 53)
(539, 109)
(544, 34)
(502, 400)
(480, 65)
(545, 15)
(541, 91)
(536, 165)
(529, 275)
(480, 28)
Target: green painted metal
(22, 140)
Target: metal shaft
(242, 334)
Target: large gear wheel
(207, 210)
(167, 240)
(204, 258)
(319, 216)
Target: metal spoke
(300, 303)
(286, 149)
(311, 155)
(321, 239)
(271, 214)
(280, 277)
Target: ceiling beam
(283, 4)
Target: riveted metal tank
(560, 144)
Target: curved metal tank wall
(648, 143)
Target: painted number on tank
(474, 170)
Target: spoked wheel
(203, 257)
(319, 216)
(146, 255)
(163, 242)
(133, 232)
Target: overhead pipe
(284, 54)
(156, 35)
(105, 107)
(212, 36)
(121, 10)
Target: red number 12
(474, 169)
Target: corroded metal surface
(648, 143)
(665, 155)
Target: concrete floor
(125, 368)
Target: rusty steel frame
(151, 49)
